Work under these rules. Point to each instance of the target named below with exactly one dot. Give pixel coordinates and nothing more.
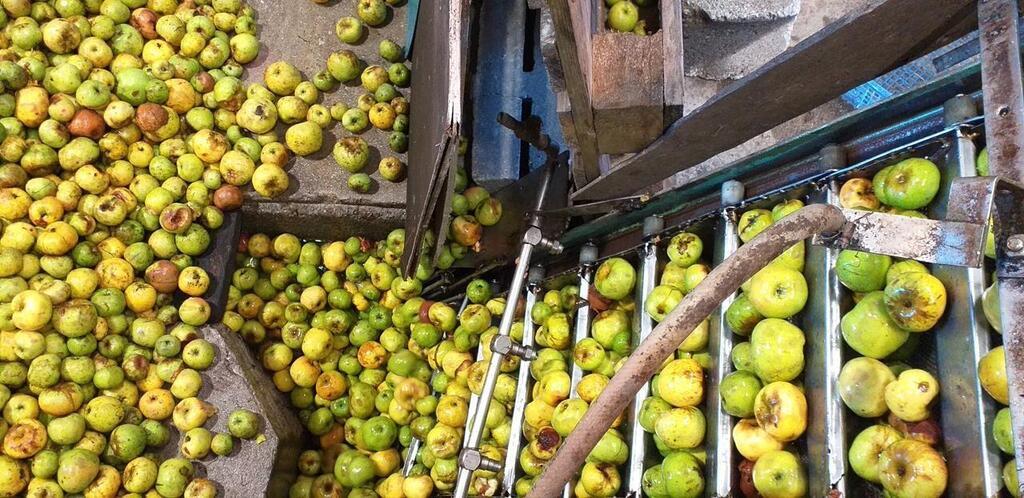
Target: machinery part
(826, 434)
(929, 241)
(642, 325)
(531, 240)
(621, 204)
(720, 341)
(588, 259)
(523, 384)
(504, 345)
(666, 337)
(471, 459)
(962, 338)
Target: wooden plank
(627, 95)
(672, 40)
(573, 23)
(866, 43)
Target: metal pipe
(531, 239)
(648, 278)
(515, 442)
(667, 336)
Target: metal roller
(523, 385)
(721, 464)
(644, 325)
(588, 258)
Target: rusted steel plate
(932, 241)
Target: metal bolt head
(1015, 243)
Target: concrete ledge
(720, 50)
(321, 221)
(744, 10)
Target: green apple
(742, 358)
(615, 279)
(899, 268)
(738, 391)
(741, 316)
(753, 222)
(867, 448)
(752, 441)
(685, 249)
(651, 410)
(681, 428)
(992, 374)
(781, 409)
(915, 301)
(681, 382)
(1002, 431)
(683, 476)
(862, 383)
(879, 185)
(869, 329)
(599, 480)
(623, 16)
(912, 469)
(1010, 479)
(610, 449)
(695, 274)
(981, 165)
(609, 324)
(778, 292)
(674, 276)
(990, 306)
(910, 184)
(661, 301)
(862, 271)
(912, 393)
(779, 474)
(567, 414)
(792, 258)
(653, 483)
(786, 208)
(777, 349)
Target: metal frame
(1004, 130)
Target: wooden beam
(672, 33)
(573, 23)
(866, 43)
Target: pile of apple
(896, 302)
(992, 367)
(124, 141)
(382, 106)
(553, 316)
(672, 414)
(764, 389)
(367, 363)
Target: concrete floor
(319, 200)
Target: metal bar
(523, 385)
(644, 324)
(961, 339)
(933, 241)
(826, 432)
(531, 240)
(1004, 129)
(588, 256)
(667, 336)
(721, 461)
(877, 37)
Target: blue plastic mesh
(890, 84)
